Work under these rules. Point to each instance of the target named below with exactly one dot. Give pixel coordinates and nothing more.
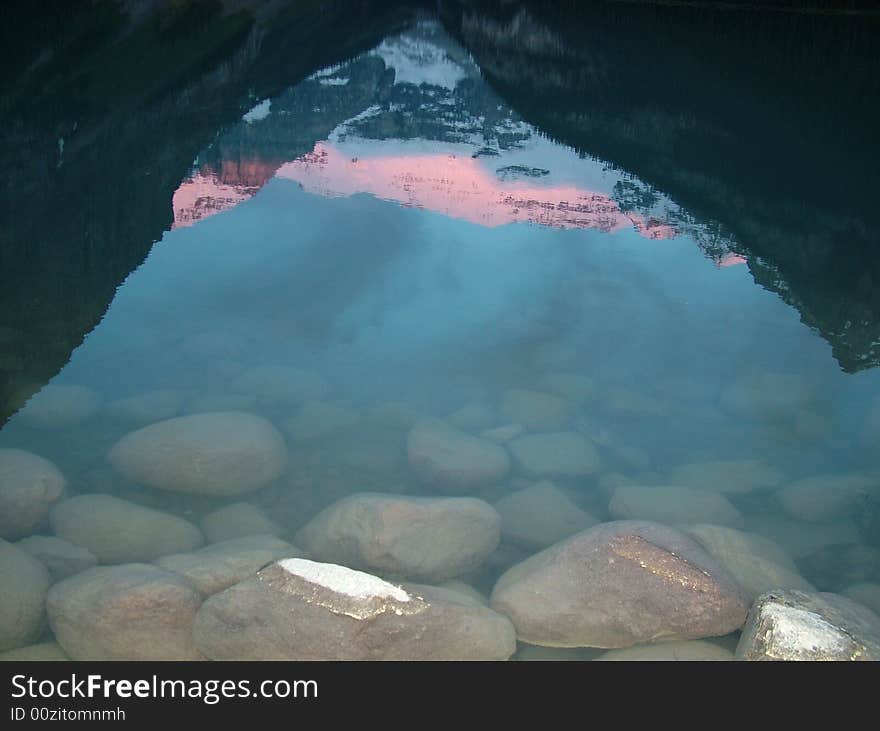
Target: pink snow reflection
(464, 188)
(731, 260)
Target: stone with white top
(297, 609)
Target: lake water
(387, 246)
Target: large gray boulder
(619, 584)
(220, 453)
(446, 457)
(420, 538)
(539, 516)
(29, 485)
(119, 531)
(127, 612)
(301, 610)
(555, 455)
(62, 558)
(24, 582)
(800, 625)
(671, 504)
(220, 565)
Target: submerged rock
(118, 531)
(302, 610)
(827, 497)
(619, 584)
(671, 505)
(220, 454)
(59, 407)
(220, 565)
(29, 485)
(798, 538)
(426, 539)
(686, 650)
(729, 476)
(127, 612)
(836, 566)
(473, 417)
(755, 562)
(539, 516)
(60, 557)
(42, 652)
(24, 582)
(534, 409)
(317, 419)
(282, 384)
(556, 454)
(766, 396)
(237, 520)
(799, 625)
(503, 434)
(866, 593)
(445, 457)
(571, 386)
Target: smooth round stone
(317, 419)
(466, 589)
(827, 497)
(620, 584)
(42, 652)
(218, 454)
(237, 520)
(535, 410)
(729, 476)
(756, 567)
(539, 516)
(29, 485)
(282, 384)
(220, 565)
(59, 407)
(800, 539)
(25, 582)
(809, 626)
(303, 610)
(426, 539)
(473, 417)
(145, 408)
(556, 454)
(60, 557)
(128, 612)
(671, 505)
(118, 531)
(687, 650)
(443, 456)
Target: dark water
(483, 216)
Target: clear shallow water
(392, 228)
